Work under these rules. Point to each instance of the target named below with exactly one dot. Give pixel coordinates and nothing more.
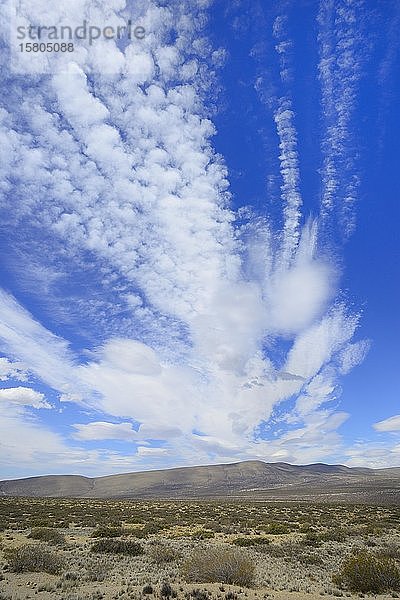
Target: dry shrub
(161, 553)
(390, 550)
(334, 535)
(202, 534)
(97, 569)
(220, 564)
(107, 531)
(364, 572)
(276, 528)
(47, 534)
(115, 546)
(32, 558)
(251, 541)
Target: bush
(160, 553)
(106, 531)
(197, 594)
(276, 528)
(113, 546)
(97, 569)
(32, 558)
(311, 539)
(219, 564)
(364, 572)
(151, 528)
(136, 532)
(251, 541)
(334, 535)
(202, 535)
(390, 550)
(166, 591)
(46, 534)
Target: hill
(243, 480)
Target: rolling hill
(243, 480)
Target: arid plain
(199, 549)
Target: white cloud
(24, 396)
(102, 430)
(289, 165)
(316, 345)
(342, 49)
(390, 424)
(12, 370)
(375, 455)
(44, 354)
(146, 451)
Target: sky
(199, 236)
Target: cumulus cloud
(24, 396)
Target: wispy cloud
(389, 424)
(289, 166)
(281, 104)
(26, 340)
(342, 51)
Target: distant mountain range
(243, 480)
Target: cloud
(131, 356)
(102, 430)
(390, 424)
(377, 455)
(24, 396)
(25, 339)
(145, 451)
(289, 166)
(342, 51)
(12, 370)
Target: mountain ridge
(240, 480)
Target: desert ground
(78, 549)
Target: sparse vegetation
(97, 569)
(287, 547)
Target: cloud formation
(118, 177)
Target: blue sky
(199, 237)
